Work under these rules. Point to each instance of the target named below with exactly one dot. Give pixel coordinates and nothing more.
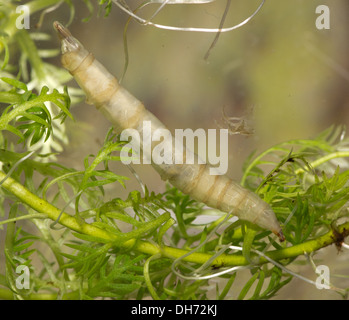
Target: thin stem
(215, 40)
(147, 276)
(6, 118)
(38, 5)
(27, 216)
(190, 29)
(50, 211)
(6, 294)
(28, 46)
(328, 157)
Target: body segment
(124, 111)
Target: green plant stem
(6, 294)
(50, 211)
(28, 46)
(326, 158)
(46, 169)
(314, 164)
(147, 276)
(38, 5)
(5, 119)
(72, 223)
(27, 216)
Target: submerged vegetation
(73, 244)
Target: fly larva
(125, 111)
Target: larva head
(73, 52)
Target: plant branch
(326, 158)
(334, 236)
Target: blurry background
(291, 79)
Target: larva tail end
(69, 43)
(280, 235)
(63, 32)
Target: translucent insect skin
(125, 111)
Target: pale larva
(125, 111)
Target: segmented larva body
(125, 111)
